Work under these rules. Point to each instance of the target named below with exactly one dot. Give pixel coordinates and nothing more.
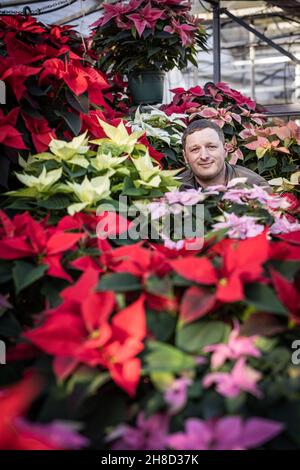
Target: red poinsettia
(9, 135)
(82, 330)
(288, 293)
(136, 260)
(17, 433)
(242, 261)
(24, 237)
(14, 402)
(20, 23)
(15, 75)
(40, 132)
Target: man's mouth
(205, 165)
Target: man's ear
(184, 156)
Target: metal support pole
(252, 65)
(260, 35)
(217, 41)
(297, 84)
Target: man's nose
(203, 153)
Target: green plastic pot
(147, 86)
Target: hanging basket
(147, 86)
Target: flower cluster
(143, 34)
(269, 149)
(52, 87)
(85, 177)
(240, 212)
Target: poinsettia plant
(237, 210)
(115, 343)
(183, 338)
(271, 148)
(83, 178)
(52, 87)
(143, 34)
(164, 133)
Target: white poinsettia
(119, 136)
(43, 182)
(89, 192)
(156, 122)
(152, 175)
(283, 184)
(105, 161)
(149, 174)
(72, 152)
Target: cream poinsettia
(41, 183)
(151, 175)
(105, 161)
(89, 192)
(283, 184)
(119, 136)
(71, 152)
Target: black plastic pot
(147, 86)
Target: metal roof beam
(261, 36)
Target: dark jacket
(232, 171)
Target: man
(204, 154)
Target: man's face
(205, 153)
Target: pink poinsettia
(229, 433)
(148, 434)
(237, 347)
(242, 378)
(145, 18)
(220, 116)
(116, 11)
(183, 30)
(240, 227)
(290, 131)
(263, 145)
(176, 394)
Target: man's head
(203, 150)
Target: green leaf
(263, 298)
(5, 271)
(166, 358)
(130, 190)
(159, 286)
(192, 338)
(119, 282)
(161, 380)
(79, 103)
(56, 202)
(9, 326)
(270, 162)
(25, 274)
(161, 324)
(287, 268)
(72, 120)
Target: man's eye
(212, 146)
